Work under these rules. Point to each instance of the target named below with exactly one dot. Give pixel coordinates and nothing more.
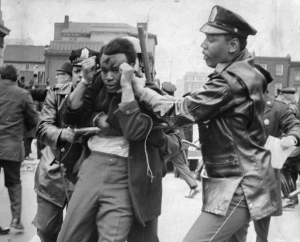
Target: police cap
(77, 56)
(223, 21)
(168, 87)
(288, 90)
(66, 67)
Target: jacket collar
(8, 82)
(238, 57)
(64, 89)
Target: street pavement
(178, 212)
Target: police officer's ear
(234, 45)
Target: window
(279, 70)
(297, 75)
(263, 66)
(27, 66)
(277, 86)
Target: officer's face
(110, 72)
(215, 49)
(76, 75)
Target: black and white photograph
(149, 121)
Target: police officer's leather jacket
(48, 177)
(229, 111)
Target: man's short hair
(34, 75)
(8, 72)
(243, 41)
(120, 46)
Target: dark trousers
(12, 181)
(289, 177)
(48, 220)
(215, 228)
(262, 229)
(139, 233)
(27, 145)
(39, 147)
(101, 198)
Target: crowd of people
(109, 177)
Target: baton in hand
(94, 130)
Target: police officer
(52, 186)
(238, 181)
(279, 121)
(64, 73)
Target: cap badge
(213, 14)
(235, 30)
(84, 53)
(266, 122)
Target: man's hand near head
(127, 74)
(88, 68)
(138, 85)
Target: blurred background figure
(180, 161)
(33, 83)
(64, 73)
(21, 82)
(17, 110)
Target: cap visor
(208, 29)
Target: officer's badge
(84, 53)
(213, 14)
(266, 121)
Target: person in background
(279, 121)
(291, 167)
(33, 83)
(238, 181)
(64, 73)
(180, 161)
(21, 82)
(17, 110)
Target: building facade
(74, 35)
(191, 81)
(294, 77)
(279, 68)
(28, 59)
(3, 32)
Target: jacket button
(63, 150)
(268, 102)
(127, 111)
(250, 205)
(266, 122)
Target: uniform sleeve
(79, 116)
(48, 130)
(289, 124)
(215, 97)
(134, 124)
